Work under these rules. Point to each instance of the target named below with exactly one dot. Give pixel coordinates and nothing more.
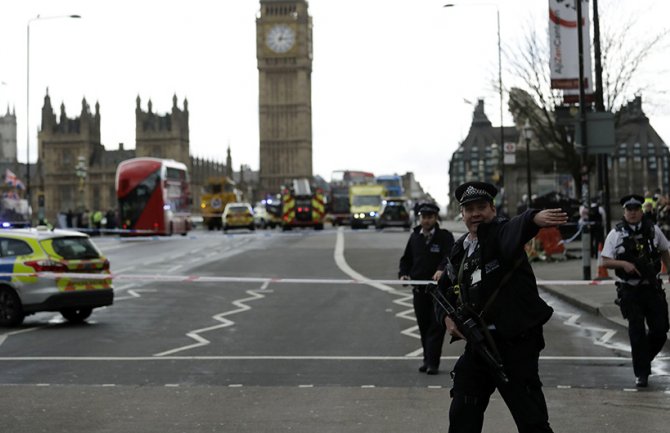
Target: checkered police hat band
(475, 193)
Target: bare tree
(622, 57)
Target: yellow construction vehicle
(216, 194)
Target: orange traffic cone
(664, 270)
(602, 271)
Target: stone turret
(162, 136)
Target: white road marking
(221, 317)
(4, 336)
(603, 340)
(615, 359)
(404, 296)
(134, 293)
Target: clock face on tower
(280, 38)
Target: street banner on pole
(563, 42)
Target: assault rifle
(472, 332)
(647, 268)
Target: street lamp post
(500, 88)
(528, 135)
(81, 171)
(38, 17)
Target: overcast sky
(391, 79)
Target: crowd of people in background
(93, 222)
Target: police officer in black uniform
(426, 248)
(489, 277)
(634, 249)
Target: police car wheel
(76, 315)
(11, 310)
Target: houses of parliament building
(65, 142)
(68, 146)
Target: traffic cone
(602, 271)
(664, 270)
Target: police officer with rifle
(491, 289)
(634, 249)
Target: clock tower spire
(284, 54)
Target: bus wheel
(76, 315)
(11, 311)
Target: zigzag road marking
(4, 336)
(221, 317)
(134, 293)
(606, 334)
(403, 296)
(604, 340)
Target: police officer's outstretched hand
(550, 217)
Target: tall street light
(500, 87)
(528, 135)
(38, 17)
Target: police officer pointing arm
(492, 282)
(635, 249)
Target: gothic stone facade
(640, 163)
(62, 141)
(8, 137)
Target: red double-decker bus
(154, 196)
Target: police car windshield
(238, 209)
(75, 248)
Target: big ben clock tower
(284, 53)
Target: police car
(26, 252)
(237, 216)
(393, 214)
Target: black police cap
(632, 200)
(428, 208)
(475, 191)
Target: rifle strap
(503, 281)
(457, 287)
(489, 302)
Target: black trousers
(474, 382)
(432, 331)
(640, 304)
